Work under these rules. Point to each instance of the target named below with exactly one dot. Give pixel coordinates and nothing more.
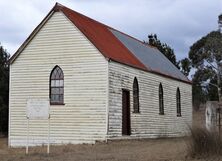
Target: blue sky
(179, 23)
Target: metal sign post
(48, 134)
(27, 141)
(37, 109)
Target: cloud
(178, 23)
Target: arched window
(56, 93)
(161, 105)
(178, 102)
(135, 96)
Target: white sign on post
(37, 109)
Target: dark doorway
(126, 112)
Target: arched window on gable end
(161, 104)
(178, 101)
(56, 93)
(135, 96)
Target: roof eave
(155, 72)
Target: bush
(204, 143)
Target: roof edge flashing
(58, 7)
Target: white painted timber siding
(83, 117)
(148, 123)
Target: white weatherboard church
(101, 83)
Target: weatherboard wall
(83, 117)
(148, 123)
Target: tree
(4, 90)
(206, 57)
(163, 48)
(185, 65)
(199, 94)
(212, 90)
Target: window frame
(136, 104)
(178, 102)
(60, 87)
(161, 100)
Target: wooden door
(126, 112)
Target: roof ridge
(148, 45)
(60, 5)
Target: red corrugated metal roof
(101, 37)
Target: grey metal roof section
(152, 58)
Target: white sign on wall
(37, 109)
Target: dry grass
(128, 150)
(171, 149)
(203, 142)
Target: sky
(179, 23)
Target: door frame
(128, 119)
